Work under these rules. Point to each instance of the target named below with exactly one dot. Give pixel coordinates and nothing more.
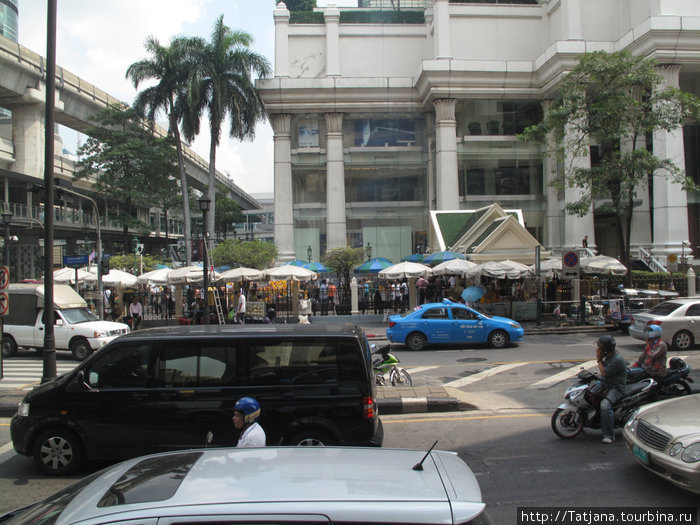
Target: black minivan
(166, 388)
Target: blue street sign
(75, 260)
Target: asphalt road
(507, 440)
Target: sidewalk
(390, 400)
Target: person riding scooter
(613, 373)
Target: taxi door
(436, 324)
(466, 326)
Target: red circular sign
(570, 259)
(4, 303)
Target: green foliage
(131, 262)
(614, 101)
(382, 17)
(127, 161)
(249, 254)
(342, 261)
(299, 5)
(228, 214)
(306, 17)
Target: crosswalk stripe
(561, 376)
(418, 369)
(458, 383)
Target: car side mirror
(59, 322)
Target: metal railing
(653, 263)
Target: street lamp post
(368, 249)
(309, 252)
(6, 221)
(204, 203)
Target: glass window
(435, 313)
(693, 311)
(384, 132)
(122, 367)
(293, 362)
(206, 365)
(463, 314)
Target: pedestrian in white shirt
(240, 308)
(246, 412)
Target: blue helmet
(654, 331)
(249, 407)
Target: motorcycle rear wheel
(567, 423)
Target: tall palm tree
(170, 67)
(221, 84)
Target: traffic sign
(4, 304)
(4, 277)
(570, 274)
(570, 260)
(75, 260)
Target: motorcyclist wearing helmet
(246, 412)
(613, 373)
(653, 358)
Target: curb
(417, 405)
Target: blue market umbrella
(375, 265)
(316, 267)
(414, 257)
(298, 262)
(473, 293)
(440, 257)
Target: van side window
(211, 364)
(350, 361)
(123, 367)
(296, 362)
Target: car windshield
(48, 510)
(79, 315)
(665, 308)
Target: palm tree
(170, 67)
(221, 83)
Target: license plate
(640, 454)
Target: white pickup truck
(76, 328)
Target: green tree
(131, 262)
(299, 5)
(249, 254)
(221, 84)
(122, 156)
(342, 261)
(614, 101)
(169, 67)
(228, 214)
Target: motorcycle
(673, 384)
(582, 406)
(386, 363)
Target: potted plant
(492, 127)
(474, 127)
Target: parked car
(165, 388)
(679, 319)
(448, 323)
(271, 485)
(664, 437)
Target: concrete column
(441, 29)
(571, 20)
(336, 236)
(447, 182)
(332, 18)
(576, 227)
(28, 139)
(281, 17)
(553, 213)
(670, 201)
(284, 218)
(641, 216)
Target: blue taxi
(450, 323)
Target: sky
(98, 40)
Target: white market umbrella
(602, 264)
(548, 267)
(241, 274)
(289, 272)
(500, 270)
(67, 275)
(453, 267)
(115, 278)
(405, 269)
(190, 275)
(157, 277)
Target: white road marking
(421, 369)
(458, 383)
(561, 376)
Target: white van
(76, 328)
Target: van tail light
(392, 324)
(369, 407)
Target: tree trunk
(185, 194)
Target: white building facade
(377, 123)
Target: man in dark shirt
(613, 373)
